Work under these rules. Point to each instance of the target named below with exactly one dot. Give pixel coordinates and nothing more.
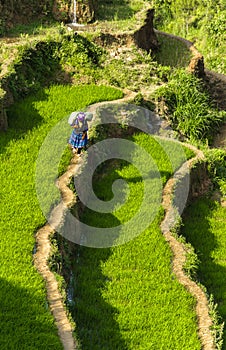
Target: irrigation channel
(43, 248)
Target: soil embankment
(217, 88)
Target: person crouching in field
(79, 138)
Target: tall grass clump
(76, 50)
(26, 320)
(216, 162)
(187, 106)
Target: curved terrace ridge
(179, 252)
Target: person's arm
(75, 124)
(84, 134)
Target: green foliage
(64, 162)
(192, 262)
(218, 325)
(26, 321)
(116, 10)
(216, 162)
(216, 27)
(38, 63)
(132, 69)
(188, 106)
(33, 68)
(75, 50)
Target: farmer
(79, 138)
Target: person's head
(81, 116)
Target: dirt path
(44, 247)
(54, 297)
(179, 256)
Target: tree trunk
(3, 118)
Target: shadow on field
(23, 326)
(22, 117)
(198, 232)
(95, 318)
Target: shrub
(216, 160)
(76, 50)
(32, 69)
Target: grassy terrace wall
(37, 62)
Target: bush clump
(216, 160)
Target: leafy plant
(201, 22)
(76, 50)
(33, 67)
(216, 162)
